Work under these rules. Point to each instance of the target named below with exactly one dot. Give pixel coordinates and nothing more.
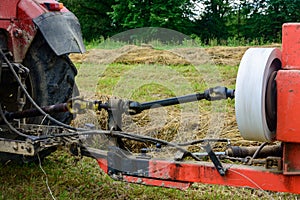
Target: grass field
(62, 176)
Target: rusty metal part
(272, 161)
(242, 152)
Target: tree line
(206, 19)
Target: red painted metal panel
(236, 175)
(103, 164)
(4, 24)
(64, 9)
(28, 9)
(291, 46)
(183, 173)
(288, 106)
(8, 9)
(291, 161)
(157, 182)
(16, 17)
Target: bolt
(144, 151)
(18, 33)
(15, 147)
(28, 149)
(158, 145)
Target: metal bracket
(17, 147)
(214, 159)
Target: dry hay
(101, 56)
(148, 55)
(226, 55)
(177, 127)
(231, 56)
(145, 54)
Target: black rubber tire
(51, 80)
(51, 76)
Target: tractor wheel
(51, 81)
(51, 77)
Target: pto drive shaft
(211, 94)
(123, 106)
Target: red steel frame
(182, 174)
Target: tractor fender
(60, 29)
(62, 32)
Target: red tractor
(36, 37)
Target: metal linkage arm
(212, 94)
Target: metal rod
(172, 101)
(62, 107)
(211, 94)
(242, 152)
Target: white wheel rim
(254, 71)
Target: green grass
(120, 77)
(192, 41)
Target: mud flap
(61, 31)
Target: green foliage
(213, 21)
(174, 14)
(262, 20)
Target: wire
(246, 177)
(203, 140)
(131, 136)
(250, 180)
(47, 184)
(257, 152)
(135, 137)
(154, 140)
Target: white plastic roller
(254, 71)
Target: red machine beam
(157, 182)
(179, 175)
(236, 175)
(103, 164)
